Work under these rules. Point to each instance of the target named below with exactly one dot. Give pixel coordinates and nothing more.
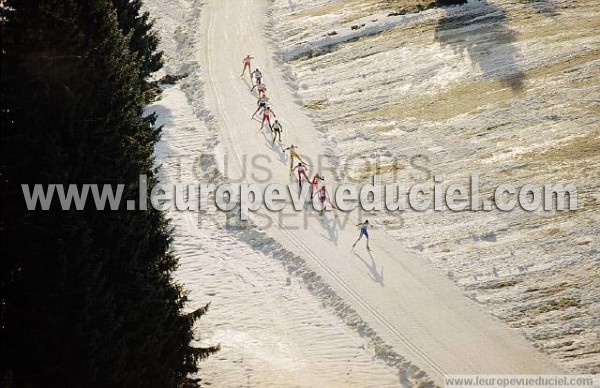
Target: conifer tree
(143, 41)
(87, 296)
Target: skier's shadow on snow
(265, 133)
(330, 227)
(481, 30)
(275, 147)
(282, 156)
(374, 274)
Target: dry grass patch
(560, 67)
(586, 147)
(357, 9)
(316, 104)
(559, 304)
(498, 284)
(456, 100)
(573, 26)
(553, 231)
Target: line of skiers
(264, 109)
(256, 79)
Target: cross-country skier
(314, 184)
(267, 112)
(262, 89)
(247, 61)
(363, 232)
(277, 129)
(262, 104)
(323, 196)
(293, 155)
(301, 173)
(257, 76)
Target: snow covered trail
(418, 312)
(272, 331)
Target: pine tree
(143, 41)
(87, 297)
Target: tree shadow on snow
(480, 30)
(542, 6)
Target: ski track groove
(366, 305)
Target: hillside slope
(504, 90)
